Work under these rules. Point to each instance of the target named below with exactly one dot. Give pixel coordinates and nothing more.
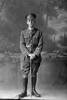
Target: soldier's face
(30, 22)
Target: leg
(25, 82)
(25, 70)
(35, 67)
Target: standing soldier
(31, 44)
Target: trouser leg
(35, 67)
(25, 71)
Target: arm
(23, 47)
(40, 45)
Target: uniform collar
(31, 31)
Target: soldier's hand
(32, 56)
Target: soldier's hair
(31, 14)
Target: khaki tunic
(31, 42)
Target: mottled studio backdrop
(52, 21)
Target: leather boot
(34, 92)
(24, 93)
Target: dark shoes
(22, 95)
(34, 93)
(25, 82)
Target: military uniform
(31, 42)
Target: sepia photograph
(33, 49)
